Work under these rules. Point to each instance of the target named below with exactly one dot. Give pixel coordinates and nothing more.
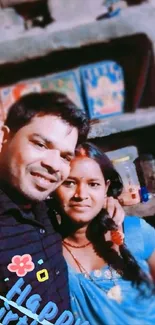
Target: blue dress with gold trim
(89, 299)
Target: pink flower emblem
(21, 264)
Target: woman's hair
(89, 150)
(124, 262)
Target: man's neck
(14, 195)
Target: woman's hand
(114, 210)
(117, 213)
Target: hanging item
(131, 187)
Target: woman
(108, 284)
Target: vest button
(42, 231)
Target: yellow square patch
(42, 275)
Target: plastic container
(147, 163)
(131, 187)
(144, 194)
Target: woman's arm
(151, 262)
(117, 213)
(114, 210)
(148, 233)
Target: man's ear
(4, 135)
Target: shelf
(121, 123)
(38, 42)
(142, 209)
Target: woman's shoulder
(132, 227)
(138, 231)
(132, 221)
(137, 222)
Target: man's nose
(52, 160)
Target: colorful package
(9, 95)
(66, 83)
(104, 88)
(63, 82)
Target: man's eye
(39, 144)
(67, 158)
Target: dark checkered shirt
(32, 234)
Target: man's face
(36, 159)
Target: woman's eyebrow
(94, 179)
(89, 179)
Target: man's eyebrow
(41, 137)
(68, 153)
(49, 142)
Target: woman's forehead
(85, 166)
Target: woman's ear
(107, 186)
(105, 194)
(4, 135)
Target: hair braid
(124, 263)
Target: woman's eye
(94, 184)
(69, 183)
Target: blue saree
(89, 300)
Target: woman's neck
(79, 237)
(79, 252)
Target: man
(38, 143)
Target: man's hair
(47, 103)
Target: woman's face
(82, 195)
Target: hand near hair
(114, 210)
(117, 213)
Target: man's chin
(36, 196)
